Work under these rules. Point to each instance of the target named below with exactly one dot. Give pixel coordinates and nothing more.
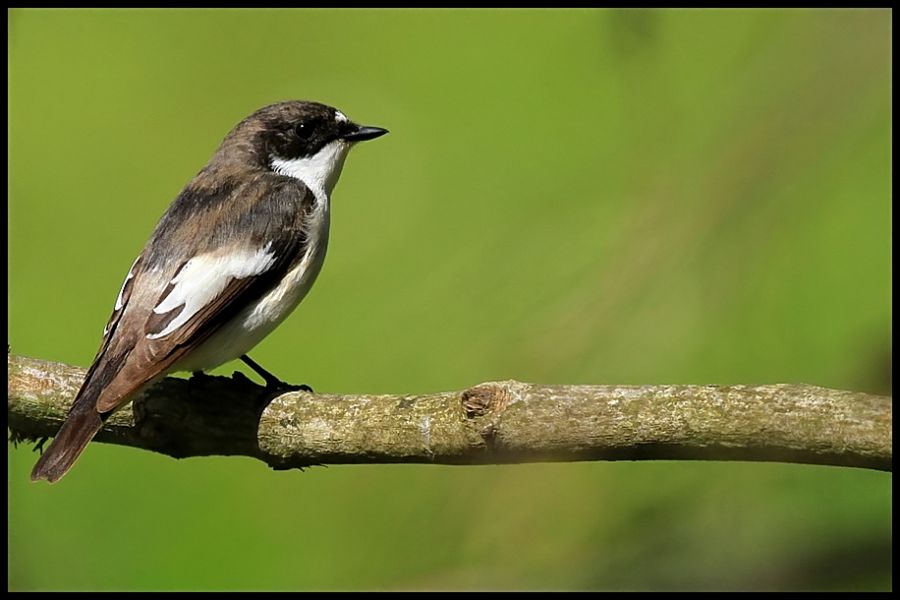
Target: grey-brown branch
(498, 422)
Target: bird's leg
(272, 382)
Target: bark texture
(496, 422)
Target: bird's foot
(276, 385)
(274, 388)
(273, 384)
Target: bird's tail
(80, 427)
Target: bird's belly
(239, 335)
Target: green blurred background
(566, 196)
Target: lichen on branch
(495, 422)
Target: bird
(230, 259)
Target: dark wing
(109, 331)
(211, 256)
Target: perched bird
(232, 256)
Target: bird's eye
(302, 130)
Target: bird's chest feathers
(280, 301)
(319, 173)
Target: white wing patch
(203, 278)
(128, 278)
(120, 299)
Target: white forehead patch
(340, 117)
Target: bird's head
(305, 140)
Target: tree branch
(499, 422)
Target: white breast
(284, 298)
(237, 337)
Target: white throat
(320, 171)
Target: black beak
(361, 133)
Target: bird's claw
(282, 387)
